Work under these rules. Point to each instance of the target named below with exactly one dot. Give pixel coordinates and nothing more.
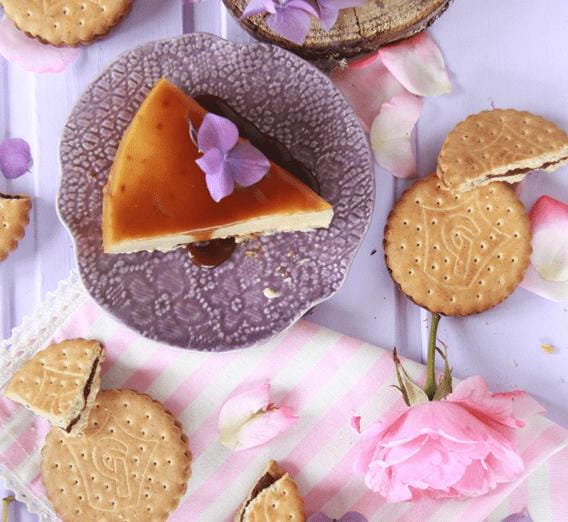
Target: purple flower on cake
(292, 19)
(15, 157)
(225, 160)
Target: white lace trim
(26, 339)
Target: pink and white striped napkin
(325, 376)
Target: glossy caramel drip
(210, 254)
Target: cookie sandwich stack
(458, 241)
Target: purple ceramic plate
(163, 295)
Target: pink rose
(460, 446)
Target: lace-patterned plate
(163, 295)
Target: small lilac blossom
(352, 516)
(225, 161)
(15, 157)
(289, 18)
(329, 10)
(523, 516)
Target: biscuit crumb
(270, 293)
(547, 348)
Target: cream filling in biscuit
(513, 175)
(263, 483)
(86, 392)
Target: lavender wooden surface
(509, 53)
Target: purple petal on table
(248, 165)
(291, 23)
(15, 157)
(329, 10)
(353, 516)
(255, 7)
(30, 54)
(523, 516)
(216, 132)
(318, 517)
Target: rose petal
(248, 164)
(291, 23)
(548, 274)
(367, 84)
(356, 423)
(418, 64)
(549, 227)
(508, 408)
(247, 419)
(391, 132)
(554, 291)
(30, 54)
(263, 427)
(216, 132)
(243, 404)
(15, 157)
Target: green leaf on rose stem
(411, 392)
(445, 384)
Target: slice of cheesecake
(156, 197)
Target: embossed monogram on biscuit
(114, 462)
(50, 395)
(459, 242)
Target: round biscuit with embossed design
(66, 22)
(132, 462)
(457, 253)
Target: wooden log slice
(357, 31)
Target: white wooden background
(511, 53)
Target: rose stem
(430, 386)
(6, 501)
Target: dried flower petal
(30, 54)
(15, 157)
(391, 133)
(249, 419)
(418, 64)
